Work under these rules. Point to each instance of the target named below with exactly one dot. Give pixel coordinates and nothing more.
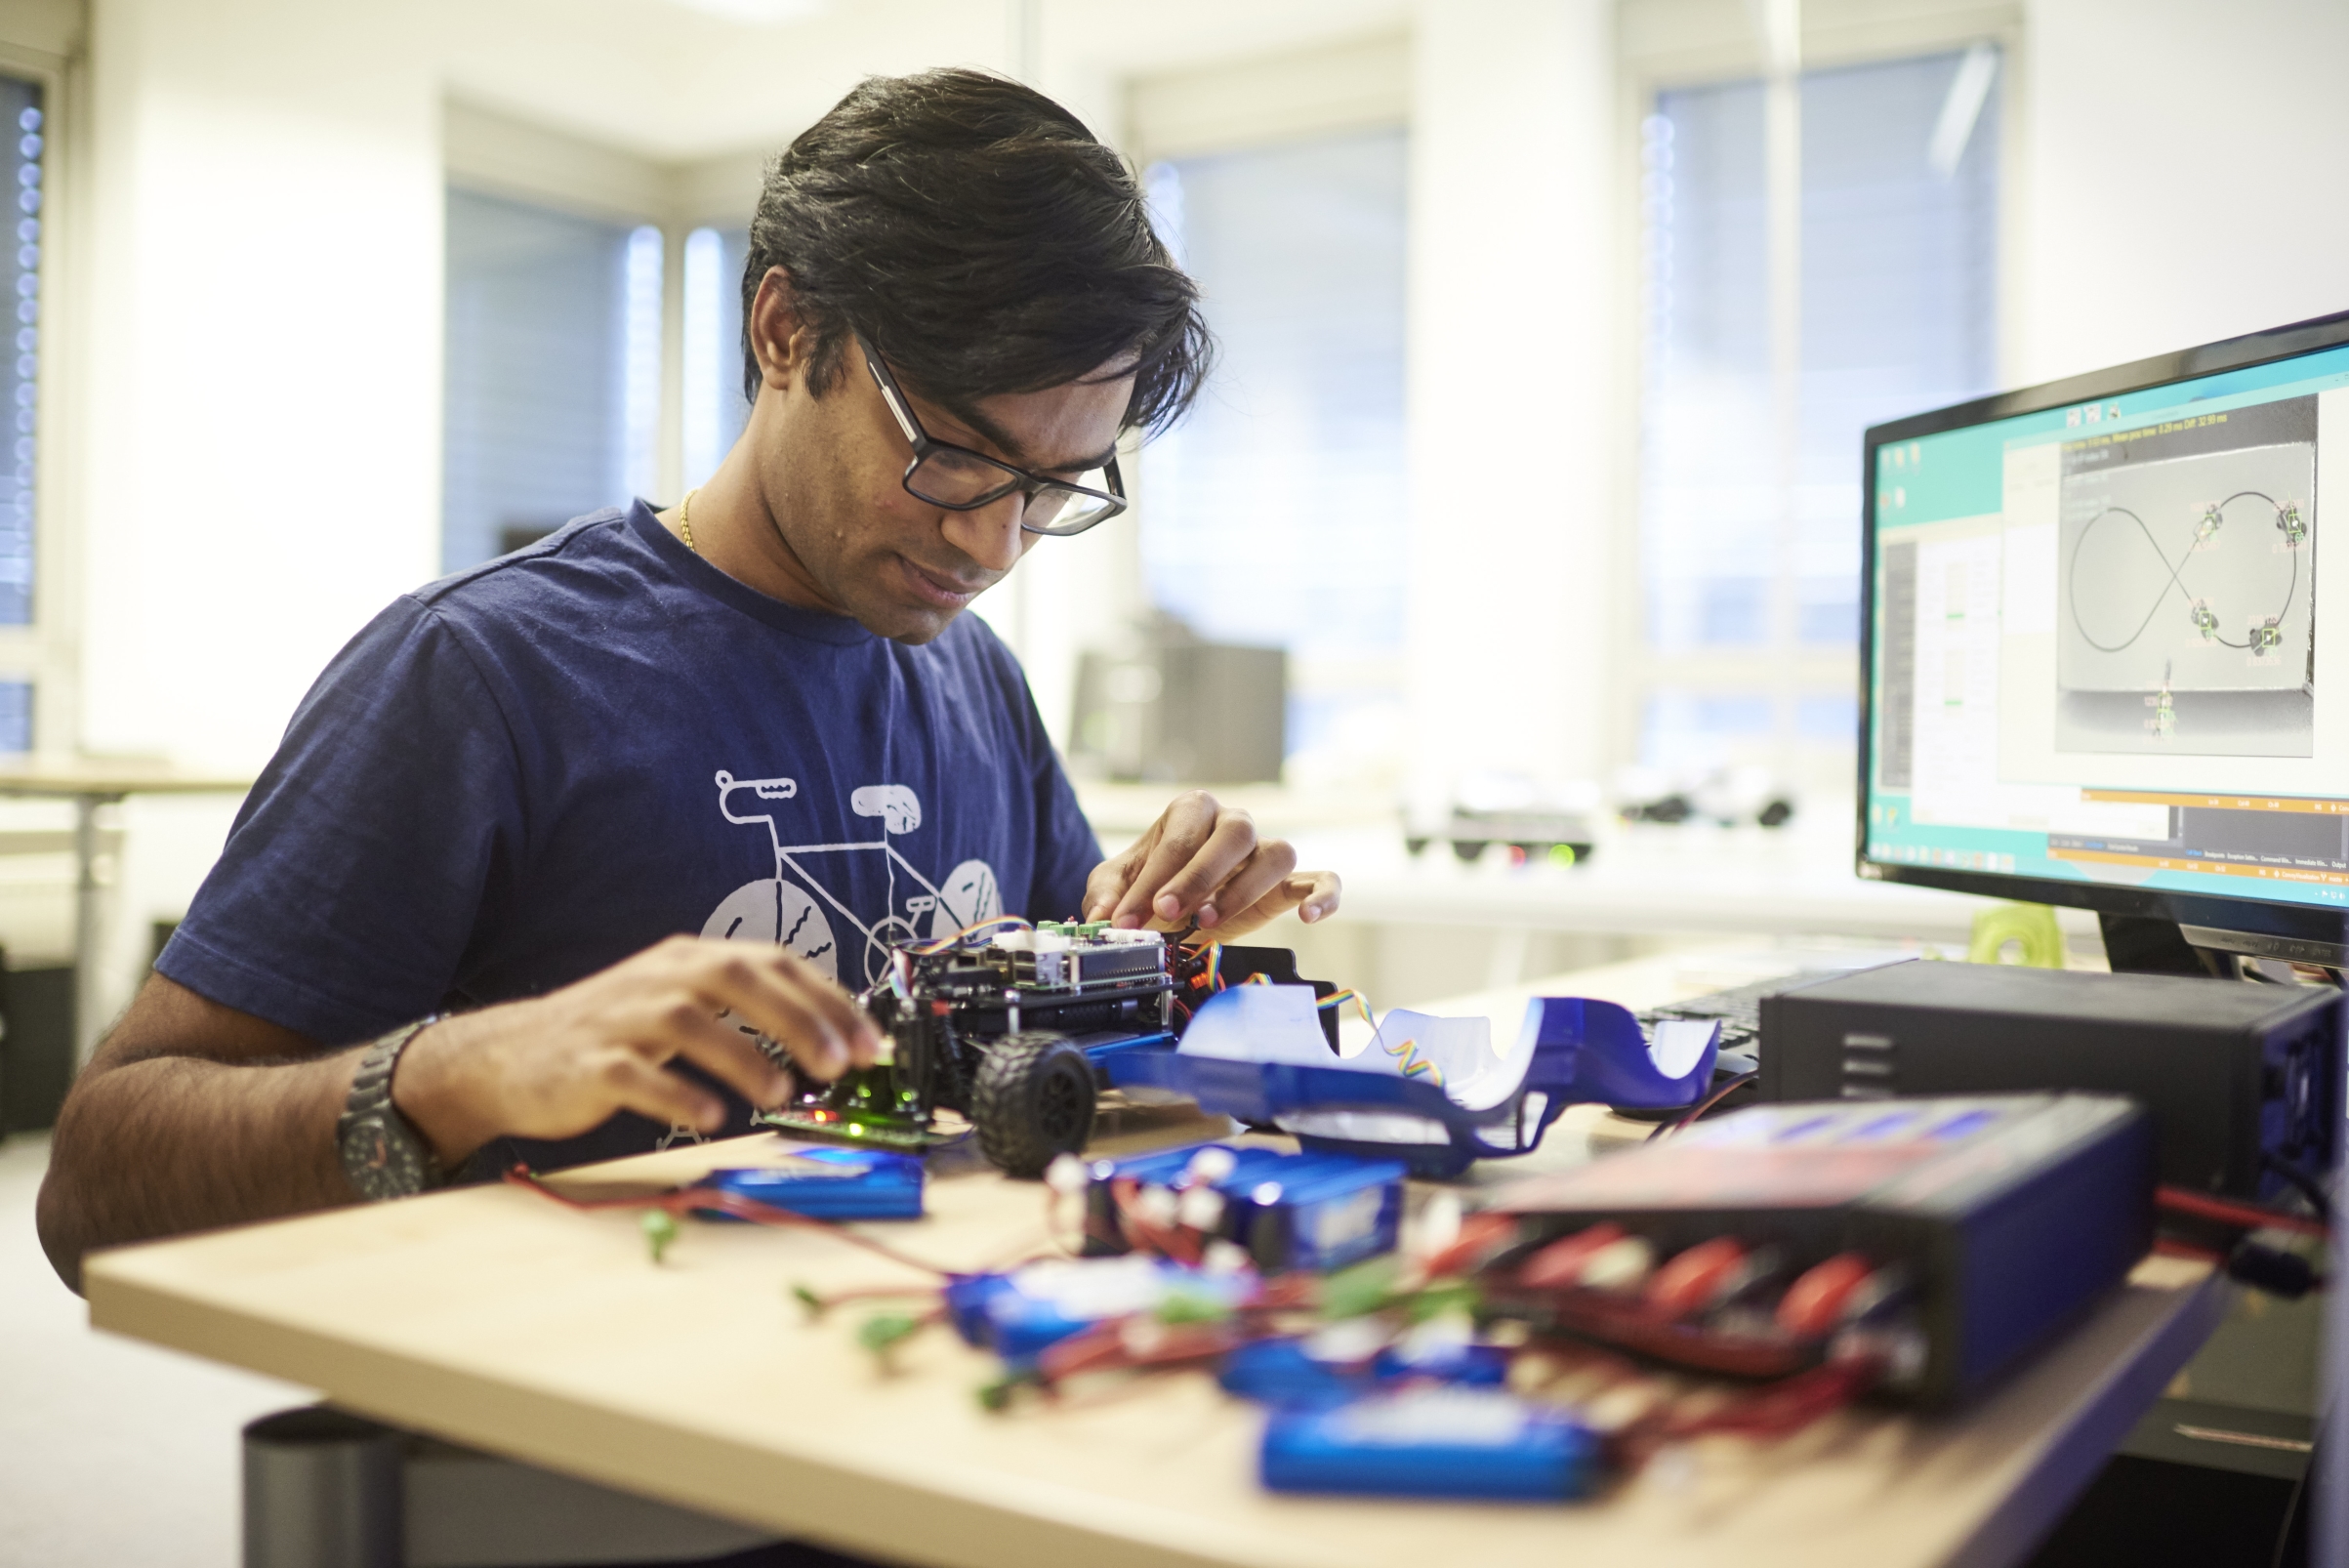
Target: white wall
(263, 388)
(2187, 170)
(260, 421)
(1515, 434)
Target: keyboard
(1739, 1009)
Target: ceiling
(685, 79)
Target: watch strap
(369, 1107)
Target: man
(453, 925)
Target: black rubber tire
(1032, 1101)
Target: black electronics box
(2238, 1076)
(2012, 1213)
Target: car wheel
(1032, 1101)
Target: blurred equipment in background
(1168, 708)
(1535, 823)
(514, 536)
(1728, 795)
(36, 1044)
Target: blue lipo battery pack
(1311, 1210)
(1020, 1313)
(1433, 1442)
(1287, 1375)
(832, 1184)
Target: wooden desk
(492, 1317)
(91, 782)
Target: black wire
(2071, 588)
(2291, 1506)
(2310, 1187)
(2071, 579)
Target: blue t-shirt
(521, 774)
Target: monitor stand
(2145, 945)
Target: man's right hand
(558, 1065)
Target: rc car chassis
(1015, 1030)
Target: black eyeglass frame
(1020, 479)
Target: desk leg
(88, 994)
(326, 1489)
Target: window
(34, 637)
(714, 409)
(20, 111)
(1759, 379)
(1276, 515)
(554, 371)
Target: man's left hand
(1201, 861)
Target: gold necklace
(684, 520)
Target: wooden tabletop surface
(495, 1317)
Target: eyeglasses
(963, 480)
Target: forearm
(176, 1144)
(195, 1115)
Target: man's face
(832, 471)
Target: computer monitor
(2102, 664)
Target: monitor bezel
(2240, 924)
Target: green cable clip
(883, 1332)
(660, 1229)
(2038, 941)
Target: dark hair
(982, 239)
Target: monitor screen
(2103, 665)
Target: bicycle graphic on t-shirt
(785, 908)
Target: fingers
(1111, 880)
(777, 994)
(1319, 901)
(725, 1053)
(1264, 869)
(1192, 829)
(1313, 895)
(632, 1083)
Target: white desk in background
(92, 782)
(1650, 878)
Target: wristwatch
(381, 1153)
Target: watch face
(379, 1161)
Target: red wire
(1788, 1407)
(2250, 1215)
(2167, 1248)
(692, 1200)
(1707, 1103)
(1776, 1410)
(1175, 1244)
